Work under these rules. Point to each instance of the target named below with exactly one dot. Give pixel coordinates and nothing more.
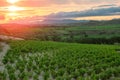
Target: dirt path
(4, 37)
(5, 48)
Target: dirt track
(5, 48)
(3, 37)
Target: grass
(54, 60)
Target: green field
(94, 31)
(106, 33)
(40, 60)
(96, 27)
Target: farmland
(89, 51)
(46, 60)
(59, 39)
(97, 33)
(0, 47)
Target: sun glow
(12, 1)
(11, 16)
(15, 8)
(13, 12)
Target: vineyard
(0, 47)
(40, 60)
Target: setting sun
(12, 1)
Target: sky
(59, 9)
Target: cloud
(104, 6)
(102, 11)
(42, 3)
(65, 8)
(2, 17)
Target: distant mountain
(64, 21)
(61, 22)
(49, 22)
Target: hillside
(97, 32)
(39, 60)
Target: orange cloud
(2, 17)
(45, 7)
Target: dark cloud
(86, 13)
(105, 6)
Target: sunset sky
(59, 9)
